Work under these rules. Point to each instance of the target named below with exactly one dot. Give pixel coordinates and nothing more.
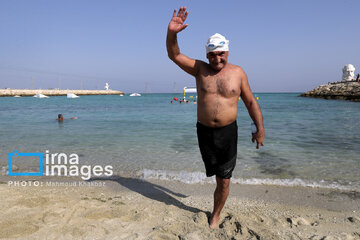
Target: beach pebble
(162, 235)
(354, 219)
(330, 238)
(301, 221)
(13, 167)
(343, 236)
(200, 218)
(194, 236)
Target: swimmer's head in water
(60, 117)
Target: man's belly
(216, 115)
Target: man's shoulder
(235, 67)
(236, 70)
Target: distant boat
(135, 95)
(39, 95)
(72, 95)
(17, 96)
(121, 94)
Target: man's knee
(222, 183)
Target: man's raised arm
(176, 25)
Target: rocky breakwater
(338, 90)
(54, 92)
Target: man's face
(218, 59)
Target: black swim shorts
(218, 147)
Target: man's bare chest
(226, 86)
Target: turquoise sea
(309, 142)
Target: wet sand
(126, 208)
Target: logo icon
(17, 154)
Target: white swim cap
(217, 42)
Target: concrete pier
(54, 92)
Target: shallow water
(311, 142)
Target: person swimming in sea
(61, 118)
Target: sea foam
(200, 177)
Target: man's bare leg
(220, 195)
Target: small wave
(182, 176)
(200, 177)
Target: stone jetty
(54, 92)
(338, 90)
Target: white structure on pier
(348, 73)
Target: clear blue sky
(283, 46)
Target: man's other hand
(259, 137)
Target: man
(61, 118)
(219, 84)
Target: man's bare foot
(214, 221)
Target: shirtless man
(60, 118)
(219, 84)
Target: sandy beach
(127, 208)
